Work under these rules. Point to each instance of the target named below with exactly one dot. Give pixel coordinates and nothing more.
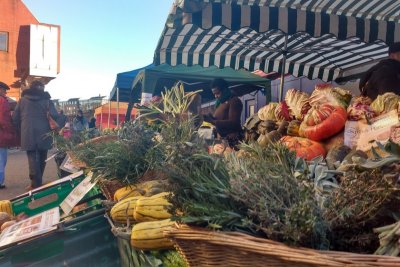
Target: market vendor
(228, 109)
(383, 77)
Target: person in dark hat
(383, 77)
(394, 51)
(8, 135)
(228, 109)
(31, 119)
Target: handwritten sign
(363, 136)
(77, 194)
(68, 165)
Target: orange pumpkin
(323, 121)
(304, 148)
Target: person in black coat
(30, 118)
(383, 77)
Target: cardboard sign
(77, 194)
(68, 165)
(34, 226)
(363, 136)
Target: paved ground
(17, 178)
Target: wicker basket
(108, 187)
(200, 247)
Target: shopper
(8, 135)
(30, 117)
(62, 119)
(79, 123)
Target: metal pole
(117, 106)
(101, 118)
(283, 69)
(109, 111)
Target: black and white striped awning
(369, 20)
(327, 39)
(322, 57)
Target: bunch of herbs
(199, 181)
(280, 201)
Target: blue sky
(100, 38)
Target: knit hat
(38, 85)
(4, 86)
(394, 48)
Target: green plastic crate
(83, 241)
(50, 196)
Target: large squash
(148, 188)
(127, 191)
(322, 122)
(149, 235)
(152, 208)
(304, 148)
(124, 210)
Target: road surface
(17, 176)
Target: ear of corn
(149, 235)
(5, 206)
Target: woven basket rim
(261, 246)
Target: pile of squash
(306, 124)
(6, 215)
(145, 206)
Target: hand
(209, 118)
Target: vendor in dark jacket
(383, 77)
(30, 117)
(228, 109)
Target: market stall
(333, 41)
(302, 212)
(107, 114)
(123, 85)
(153, 80)
(315, 182)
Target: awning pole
(109, 112)
(283, 69)
(101, 118)
(117, 106)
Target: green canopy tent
(154, 80)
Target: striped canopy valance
(369, 20)
(323, 57)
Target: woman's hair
(219, 83)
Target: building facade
(72, 105)
(29, 50)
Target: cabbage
(385, 103)
(360, 109)
(298, 103)
(282, 112)
(268, 112)
(333, 95)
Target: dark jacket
(382, 78)
(227, 117)
(30, 117)
(8, 135)
(62, 120)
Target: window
(4, 41)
